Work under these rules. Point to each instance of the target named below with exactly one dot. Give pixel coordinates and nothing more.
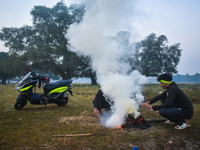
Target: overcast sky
(179, 20)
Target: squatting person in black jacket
(99, 103)
(177, 107)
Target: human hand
(96, 112)
(147, 105)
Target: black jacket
(175, 97)
(100, 101)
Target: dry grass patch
(85, 119)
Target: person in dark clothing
(99, 103)
(177, 107)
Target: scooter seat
(54, 85)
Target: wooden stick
(155, 120)
(67, 135)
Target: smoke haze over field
(93, 37)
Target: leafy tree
(45, 43)
(153, 56)
(11, 66)
(3, 67)
(3, 55)
(51, 25)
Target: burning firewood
(132, 122)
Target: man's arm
(158, 97)
(153, 100)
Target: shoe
(169, 122)
(183, 126)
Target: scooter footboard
(52, 97)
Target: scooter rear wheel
(63, 101)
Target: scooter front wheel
(20, 103)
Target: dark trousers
(176, 115)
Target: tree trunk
(4, 80)
(69, 73)
(94, 80)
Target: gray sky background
(179, 20)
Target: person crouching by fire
(177, 107)
(100, 102)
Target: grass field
(34, 127)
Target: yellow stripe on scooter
(26, 88)
(59, 90)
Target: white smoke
(103, 20)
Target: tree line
(44, 43)
(187, 78)
(180, 78)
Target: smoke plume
(97, 36)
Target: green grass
(33, 127)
